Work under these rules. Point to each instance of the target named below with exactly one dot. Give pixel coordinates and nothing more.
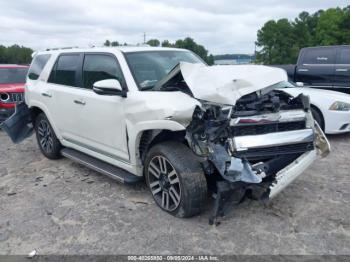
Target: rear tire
(176, 179)
(48, 143)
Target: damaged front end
(256, 147)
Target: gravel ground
(60, 207)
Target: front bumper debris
(5, 113)
(287, 175)
(265, 191)
(18, 127)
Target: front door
(101, 120)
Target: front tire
(48, 143)
(318, 117)
(176, 179)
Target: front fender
(135, 131)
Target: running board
(100, 166)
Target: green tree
(276, 40)
(115, 43)
(344, 27)
(328, 27)
(166, 43)
(107, 43)
(15, 54)
(153, 42)
(190, 44)
(280, 41)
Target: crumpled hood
(226, 84)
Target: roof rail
(62, 48)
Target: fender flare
(45, 110)
(135, 132)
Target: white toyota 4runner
(163, 114)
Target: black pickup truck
(325, 67)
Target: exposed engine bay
(244, 146)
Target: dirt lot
(60, 207)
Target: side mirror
(109, 87)
(299, 84)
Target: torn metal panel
(233, 169)
(18, 127)
(224, 84)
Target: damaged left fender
(155, 111)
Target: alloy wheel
(164, 183)
(45, 136)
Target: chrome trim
(242, 143)
(288, 174)
(282, 116)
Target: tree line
(280, 41)
(187, 43)
(15, 54)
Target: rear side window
(319, 56)
(100, 67)
(344, 56)
(37, 66)
(65, 70)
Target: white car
(329, 108)
(163, 114)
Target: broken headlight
(209, 126)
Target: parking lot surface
(60, 207)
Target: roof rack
(62, 48)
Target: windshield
(13, 75)
(150, 67)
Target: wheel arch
(145, 135)
(319, 111)
(36, 109)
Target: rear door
(342, 70)
(64, 95)
(316, 67)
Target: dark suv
(326, 67)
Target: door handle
(341, 70)
(303, 70)
(79, 102)
(46, 94)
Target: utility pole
(144, 38)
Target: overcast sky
(222, 26)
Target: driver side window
(100, 67)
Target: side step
(100, 166)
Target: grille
(261, 129)
(16, 97)
(276, 150)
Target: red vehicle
(12, 80)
